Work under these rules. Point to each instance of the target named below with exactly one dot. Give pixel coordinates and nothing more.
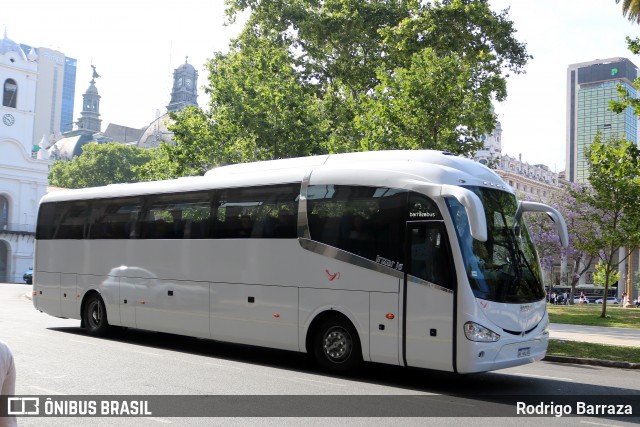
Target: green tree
(315, 76)
(100, 164)
(398, 74)
(260, 107)
(430, 104)
(613, 194)
(195, 152)
(600, 275)
(631, 9)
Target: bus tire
(336, 346)
(94, 316)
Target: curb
(591, 362)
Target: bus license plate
(524, 352)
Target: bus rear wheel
(336, 346)
(95, 316)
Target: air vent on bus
(519, 333)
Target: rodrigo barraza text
(578, 408)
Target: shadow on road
(493, 388)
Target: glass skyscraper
(590, 87)
(68, 94)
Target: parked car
(28, 276)
(610, 300)
(579, 300)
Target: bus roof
(395, 168)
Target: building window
(10, 94)
(4, 213)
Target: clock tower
(185, 87)
(90, 114)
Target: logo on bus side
(332, 276)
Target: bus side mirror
(561, 225)
(472, 206)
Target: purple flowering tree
(579, 256)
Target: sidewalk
(595, 334)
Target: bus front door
(429, 283)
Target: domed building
(183, 94)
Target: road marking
(147, 353)
(47, 376)
(315, 381)
(453, 402)
(599, 424)
(160, 420)
(221, 366)
(543, 376)
(84, 342)
(46, 390)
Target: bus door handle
(170, 293)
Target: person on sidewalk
(7, 380)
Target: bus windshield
(505, 268)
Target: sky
(557, 33)
(136, 44)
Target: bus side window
(429, 253)
(365, 221)
(114, 218)
(48, 217)
(265, 212)
(74, 216)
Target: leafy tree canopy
(100, 164)
(316, 76)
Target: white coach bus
(412, 258)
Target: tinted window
(177, 216)
(114, 218)
(257, 212)
(429, 254)
(422, 208)
(366, 221)
(46, 221)
(70, 220)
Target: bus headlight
(545, 330)
(475, 332)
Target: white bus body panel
(429, 326)
(511, 349)
(134, 279)
(384, 332)
(47, 298)
(255, 314)
(68, 295)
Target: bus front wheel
(336, 346)
(95, 316)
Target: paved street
(55, 357)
